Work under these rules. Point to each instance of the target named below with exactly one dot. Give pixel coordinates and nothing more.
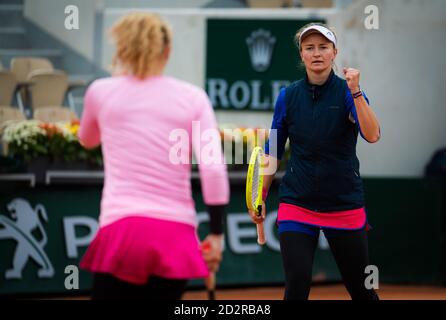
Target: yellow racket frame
(258, 203)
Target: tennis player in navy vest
(321, 115)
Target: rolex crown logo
(261, 45)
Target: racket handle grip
(210, 285)
(261, 234)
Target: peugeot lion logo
(24, 220)
(261, 45)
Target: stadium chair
(54, 114)
(317, 3)
(8, 83)
(22, 67)
(269, 3)
(48, 89)
(47, 96)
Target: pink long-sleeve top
(148, 130)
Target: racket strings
(255, 181)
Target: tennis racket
(210, 285)
(210, 280)
(254, 185)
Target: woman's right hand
(258, 218)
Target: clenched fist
(352, 77)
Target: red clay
(324, 292)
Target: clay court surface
(325, 292)
(318, 292)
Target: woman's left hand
(352, 77)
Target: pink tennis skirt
(135, 248)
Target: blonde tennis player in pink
(147, 244)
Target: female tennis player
(147, 245)
(321, 115)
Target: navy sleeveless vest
(323, 172)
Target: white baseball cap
(322, 30)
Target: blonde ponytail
(141, 39)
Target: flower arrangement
(31, 139)
(238, 143)
(58, 142)
(25, 139)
